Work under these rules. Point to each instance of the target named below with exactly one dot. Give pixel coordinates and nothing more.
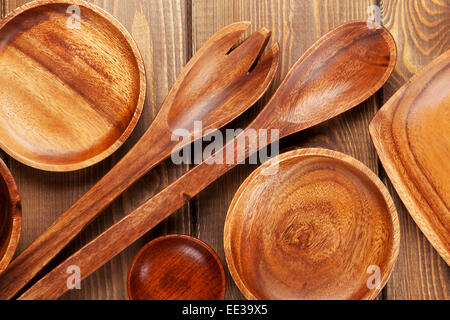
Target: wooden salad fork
(342, 69)
(219, 83)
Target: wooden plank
(159, 30)
(421, 30)
(296, 25)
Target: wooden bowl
(70, 96)
(10, 216)
(176, 267)
(320, 228)
(411, 134)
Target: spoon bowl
(342, 69)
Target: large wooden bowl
(411, 134)
(71, 92)
(10, 216)
(311, 224)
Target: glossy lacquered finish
(314, 228)
(411, 133)
(71, 94)
(219, 83)
(10, 216)
(176, 267)
(352, 61)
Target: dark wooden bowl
(10, 216)
(311, 224)
(176, 267)
(70, 97)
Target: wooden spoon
(216, 86)
(339, 71)
(411, 133)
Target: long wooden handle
(149, 151)
(133, 226)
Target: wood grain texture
(176, 267)
(312, 230)
(421, 30)
(411, 134)
(296, 25)
(373, 55)
(158, 28)
(10, 216)
(78, 104)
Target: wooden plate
(322, 227)
(70, 96)
(411, 133)
(176, 267)
(10, 216)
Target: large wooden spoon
(342, 69)
(216, 86)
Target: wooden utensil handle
(148, 152)
(133, 226)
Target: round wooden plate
(72, 89)
(176, 267)
(10, 216)
(322, 227)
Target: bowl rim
(16, 210)
(322, 152)
(140, 101)
(186, 238)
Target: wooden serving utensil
(318, 229)
(341, 70)
(217, 85)
(411, 133)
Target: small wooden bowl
(10, 216)
(176, 267)
(72, 92)
(320, 228)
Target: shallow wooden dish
(70, 97)
(176, 267)
(312, 230)
(10, 216)
(411, 133)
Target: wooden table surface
(168, 33)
